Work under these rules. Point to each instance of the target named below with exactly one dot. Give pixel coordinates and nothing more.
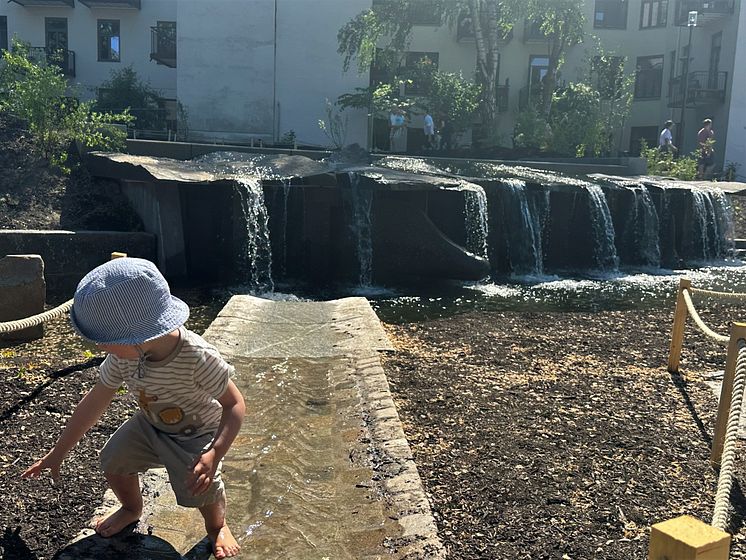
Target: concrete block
(22, 294)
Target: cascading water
(475, 213)
(725, 223)
(285, 196)
(257, 255)
(362, 228)
(643, 227)
(525, 216)
(709, 230)
(604, 250)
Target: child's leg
(127, 490)
(224, 545)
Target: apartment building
(673, 64)
(257, 69)
(242, 70)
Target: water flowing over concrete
(402, 219)
(321, 467)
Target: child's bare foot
(116, 522)
(223, 543)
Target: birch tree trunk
(484, 19)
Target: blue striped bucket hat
(126, 301)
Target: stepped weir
(257, 219)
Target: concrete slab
(321, 467)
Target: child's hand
(46, 462)
(201, 472)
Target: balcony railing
(704, 88)
(708, 10)
(48, 3)
(131, 4)
(163, 45)
(465, 31)
(63, 59)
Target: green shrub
(666, 165)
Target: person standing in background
(428, 128)
(665, 140)
(705, 140)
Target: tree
(125, 90)
(388, 26)
(562, 23)
(38, 94)
(382, 33)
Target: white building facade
(245, 70)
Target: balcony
(709, 10)
(465, 31)
(45, 3)
(63, 59)
(163, 45)
(121, 4)
(704, 88)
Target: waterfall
(256, 260)
(604, 250)
(643, 227)
(724, 223)
(285, 196)
(362, 228)
(475, 214)
(525, 217)
(709, 235)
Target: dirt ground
(559, 435)
(537, 435)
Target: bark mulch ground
(559, 435)
(537, 435)
(40, 384)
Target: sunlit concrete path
(321, 468)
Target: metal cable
(35, 320)
(698, 320)
(728, 459)
(721, 295)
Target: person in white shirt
(665, 140)
(429, 130)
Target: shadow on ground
(131, 545)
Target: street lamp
(691, 23)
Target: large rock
(22, 294)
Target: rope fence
(671, 538)
(35, 320)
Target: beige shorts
(137, 446)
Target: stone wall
(69, 255)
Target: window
(610, 14)
(649, 77)
(416, 64)
(4, 33)
(425, 12)
(109, 47)
(638, 133)
(671, 72)
(653, 13)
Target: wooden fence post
(687, 538)
(677, 333)
(737, 332)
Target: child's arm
(204, 466)
(86, 414)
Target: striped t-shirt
(178, 394)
